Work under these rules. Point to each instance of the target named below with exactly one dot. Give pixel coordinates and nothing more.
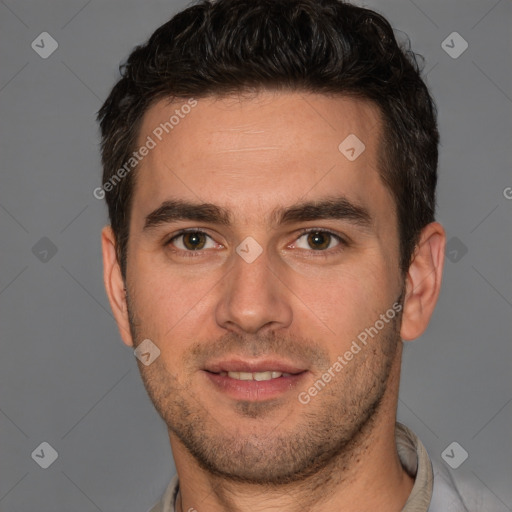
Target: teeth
(255, 375)
(265, 375)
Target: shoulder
(461, 491)
(446, 489)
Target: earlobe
(114, 284)
(423, 281)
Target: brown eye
(318, 240)
(194, 241)
(188, 241)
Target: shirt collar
(416, 462)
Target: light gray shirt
(434, 489)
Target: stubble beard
(331, 431)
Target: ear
(423, 281)
(114, 284)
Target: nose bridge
(252, 297)
(251, 270)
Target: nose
(253, 297)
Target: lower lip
(254, 390)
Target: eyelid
(340, 237)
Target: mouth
(254, 380)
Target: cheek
(167, 301)
(341, 302)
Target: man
(270, 171)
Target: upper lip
(254, 366)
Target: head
(260, 119)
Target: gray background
(65, 376)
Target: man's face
(247, 291)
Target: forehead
(251, 153)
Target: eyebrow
(337, 208)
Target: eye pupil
(195, 238)
(317, 237)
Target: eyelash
(343, 243)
